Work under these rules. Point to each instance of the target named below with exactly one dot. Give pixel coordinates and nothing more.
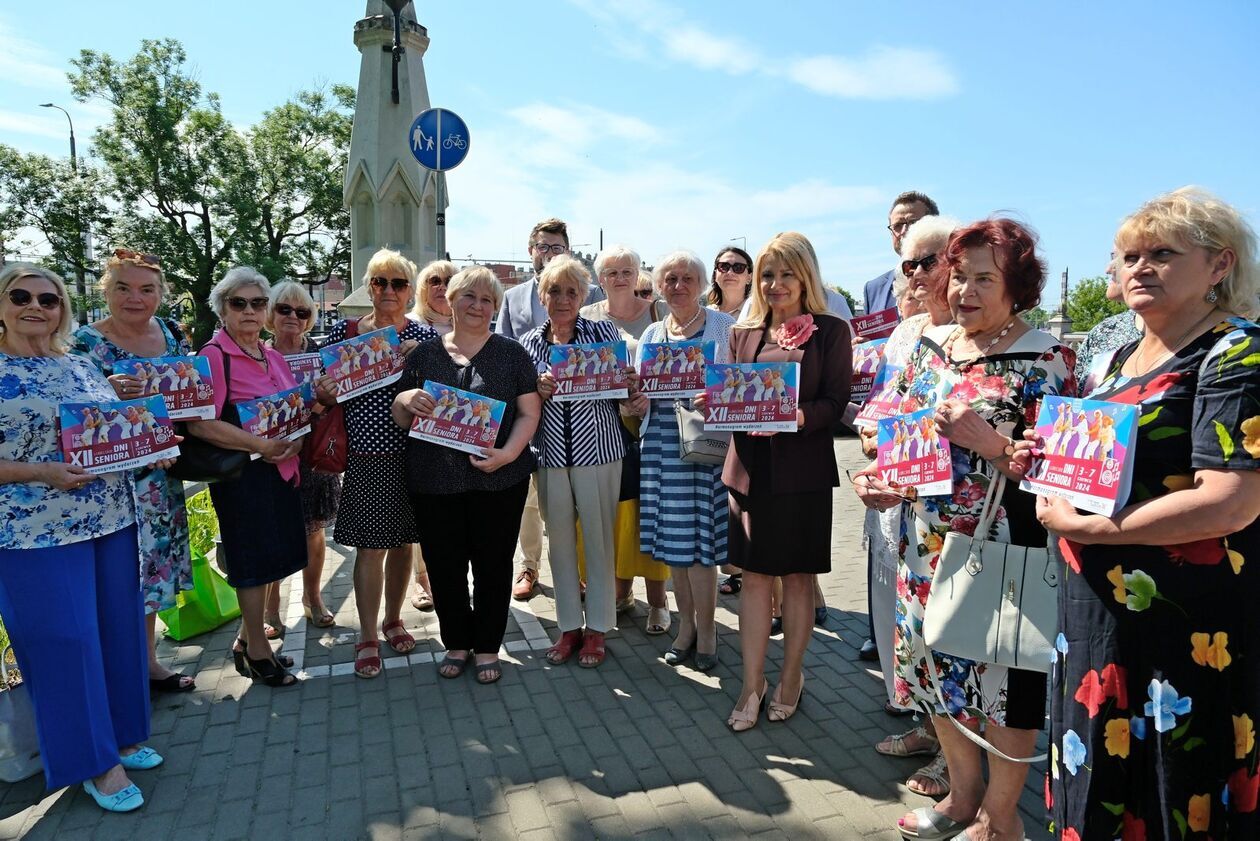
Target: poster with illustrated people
(285, 414)
(674, 369)
(590, 372)
(306, 367)
(752, 396)
(884, 399)
(1085, 454)
(461, 420)
(118, 435)
(913, 453)
(363, 363)
(876, 325)
(866, 359)
(183, 382)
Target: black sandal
(172, 683)
(731, 584)
(270, 672)
(487, 673)
(239, 658)
(458, 663)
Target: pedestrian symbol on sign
(439, 139)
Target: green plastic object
(210, 603)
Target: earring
(1211, 295)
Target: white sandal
(899, 744)
(936, 772)
(658, 620)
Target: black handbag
(201, 461)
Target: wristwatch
(1008, 450)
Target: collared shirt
(576, 433)
(522, 310)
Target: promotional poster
(1086, 447)
(914, 454)
(752, 396)
(884, 400)
(674, 369)
(364, 363)
(876, 325)
(183, 381)
(306, 367)
(118, 435)
(461, 420)
(590, 372)
(285, 414)
(866, 359)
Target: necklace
(984, 351)
(1139, 357)
(261, 358)
(681, 329)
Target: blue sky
(673, 124)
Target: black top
(501, 370)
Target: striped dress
(682, 515)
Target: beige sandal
(658, 620)
(899, 745)
(936, 773)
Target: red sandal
(403, 643)
(592, 653)
(563, 649)
(362, 664)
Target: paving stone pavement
(633, 749)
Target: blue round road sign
(438, 139)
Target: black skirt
(375, 511)
(260, 521)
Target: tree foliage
(1087, 303)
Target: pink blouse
(250, 380)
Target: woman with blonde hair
(431, 305)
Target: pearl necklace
(682, 329)
(949, 345)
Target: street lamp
(396, 6)
(743, 242)
(80, 283)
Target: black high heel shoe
(239, 659)
(270, 672)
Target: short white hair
(616, 252)
(688, 260)
(295, 295)
(931, 232)
(236, 279)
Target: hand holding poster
(119, 435)
(752, 396)
(913, 454)
(884, 400)
(590, 372)
(306, 367)
(866, 359)
(182, 381)
(364, 363)
(876, 325)
(461, 420)
(284, 415)
(1086, 456)
(674, 369)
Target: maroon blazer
(804, 460)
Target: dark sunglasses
(643, 293)
(301, 312)
(733, 268)
(239, 304)
(908, 266)
(46, 300)
(438, 280)
(396, 283)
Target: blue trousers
(76, 619)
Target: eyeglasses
(902, 227)
(643, 293)
(609, 274)
(46, 300)
(543, 248)
(239, 304)
(301, 312)
(438, 280)
(396, 283)
(126, 255)
(733, 268)
(925, 263)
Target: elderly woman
(260, 512)
(683, 504)
(780, 484)
(617, 270)
(134, 287)
(69, 583)
(579, 446)
(469, 507)
(290, 317)
(731, 282)
(644, 287)
(1156, 670)
(431, 306)
(994, 369)
(375, 515)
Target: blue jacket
(878, 293)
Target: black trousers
(476, 529)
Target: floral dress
(1005, 390)
(1155, 691)
(165, 562)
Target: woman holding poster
(468, 507)
(780, 483)
(134, 286)
(69, 582)
(579, 446)
(1156, 690)
(994, 369)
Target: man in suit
(521, 312)
(907, 208)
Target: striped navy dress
(682, 514)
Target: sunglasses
(908, 266)
(643, 293)
(46, 300)
(301, 312)
(733, 268)
(437, 281)
(396, 283)
(239, 304)
(129, 256)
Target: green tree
(1087, 303)
(853, 307)
(1037, 317)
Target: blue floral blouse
(34, 515)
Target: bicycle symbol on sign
(455, 141)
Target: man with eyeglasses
(907, 208)
(521, 312)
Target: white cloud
(579, 126)
(881, 73)
(24, 62)
(36, 124)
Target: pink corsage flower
(794, 332)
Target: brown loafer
(526, 581)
